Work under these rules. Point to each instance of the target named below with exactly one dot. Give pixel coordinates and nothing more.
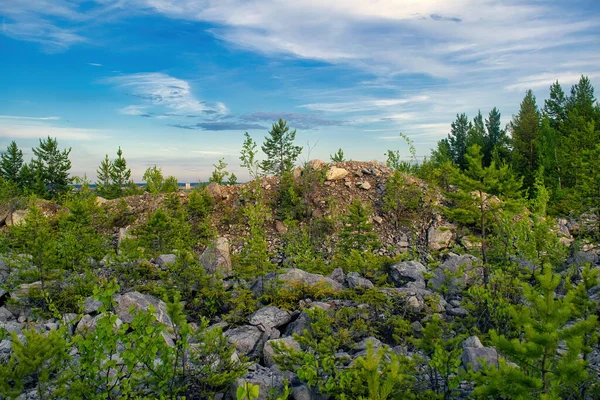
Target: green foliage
(248, 156)
(541, 370)
(337, 156)
(39, 358)
(247, 391)
(394, 158)
(254, 258)
(156, 183)
(50, 169)
(11, 163)
(219, 173)
(402, 200)
(280, 149)
(525, 129)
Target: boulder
(140, 302)
(280, 227)
(298, 326)
(440, 237)
(216, 258)
(476, 356)
(165, 259)
(91, 305)
(5, 315)
(269, 317)
(300, 276)
(266, 379)
(335, 174)
(458, 312)
(214, 191)
(338, 275)
(24, 289)
(245, 338)
(408, 271)
(88, 323)
(5, 351)
(316, 164)
(17, 217)
(448, 273)
(269, 351)
(364, 185)
(355, 280)
(124, 233)
(472, 341)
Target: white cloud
(36, 131)
(29, 118)
(95, 64)
(159, 90)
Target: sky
(176, 83)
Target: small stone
(365, 185)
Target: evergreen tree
(543, 370)
(119, 174)
(525, 128)
(477, 132)
(280, 150)
(51, 169)
(338, 156)
(496, 144)
(547, 147)
(457, 139)
(555, 105)
(11, 162)
(103, 174)
(219, 173)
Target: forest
(472, 273)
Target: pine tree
(542, 370)
(457, 139)
(219, 173)
(51, 169)
(496, 144)
(103, 174)
(337, 156)
(477, 132)
(525, 128)
(11, 163)
(119, 174)
(555, 106)
(280, 150)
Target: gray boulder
(216, 258)
(267, 380)
(245, 338)
(408, 271)
(5, 350)
(355, 280)
(298, 326)
(338, 275)
(450, 274)
(269, 317)
(269, 350)
(5, 315)
(300, 276)
(91, 305)
(141, 302)
(475, 354)
(165, 259)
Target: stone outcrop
(217, 259)
(335, 174)
(300, 276)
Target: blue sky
(176, 83)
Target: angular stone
(91, 305)
(165, 259)
(355, 280)
(448, 273)
(5, 315)
(338, 275)
(440, 237)
(245, 338)
(141, 302)
(269, 317)
(472, 341)
(269, 351)
(298, 275)
(408, 271)
(475, 357)
(335, 174)
(216, 258)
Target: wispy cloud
(37, 131)
(29, 118)
(162, 94)
(295, 120)
(220, 126)
(95, 64)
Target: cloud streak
(161, 92)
